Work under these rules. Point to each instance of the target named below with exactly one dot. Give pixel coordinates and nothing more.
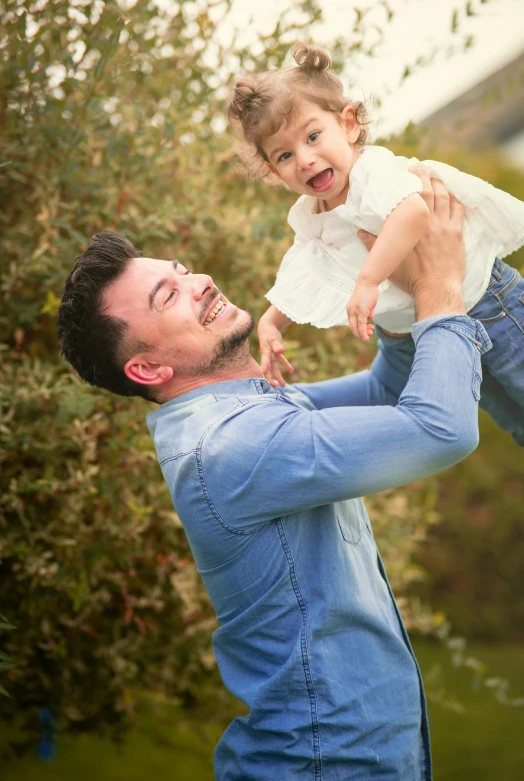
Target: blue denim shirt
(267, 484)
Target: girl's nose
(305, 157)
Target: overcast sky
(417, 26)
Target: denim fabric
(501, 312)
(267, 484)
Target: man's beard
(234, 345)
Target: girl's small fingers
(278, 375)
(265, 355)
(270, 379)
(283, 361)
(363, 334)
(267, 373)
(266, 362)
(277, 347)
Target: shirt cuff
(461, 324)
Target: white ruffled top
(318, 273)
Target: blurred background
(111, 117)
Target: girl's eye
(313, 136)
(284, 156)
(170, 296)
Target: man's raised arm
(297, 458)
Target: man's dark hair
(96, 344)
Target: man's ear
(144, 372)
(350, 123)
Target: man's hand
(433, 272)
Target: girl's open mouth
(322, 181)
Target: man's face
(188, 324)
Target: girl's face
(315, 153)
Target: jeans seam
(315, 727)
(517, 322)
(510, 284)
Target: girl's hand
(361, 308)
(272, 354)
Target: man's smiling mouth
(322, 181)
(219, 306)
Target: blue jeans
(501, 312)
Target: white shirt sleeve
(380, 181)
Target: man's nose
(200, 284)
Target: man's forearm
(438, 299)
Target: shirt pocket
(350, 520)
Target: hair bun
(243, 98)
(310, 59)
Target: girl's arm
(273, 317)
(399, 234)
(271, 326)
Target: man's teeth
(211, 316)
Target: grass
(484, 743)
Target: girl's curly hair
(258, 105)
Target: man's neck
(245, 370)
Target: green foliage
(473, 557)
(6, 663)
(110, 117)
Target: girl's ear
(350, 123)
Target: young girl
(297, 125)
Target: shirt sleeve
(383, 384)
(273, 459)
(384, 181)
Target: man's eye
(284, 156)
(187, 271)
(313, 136)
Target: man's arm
(272, 459)
(381, 384)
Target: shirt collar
(247, 387)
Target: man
(267, 484)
